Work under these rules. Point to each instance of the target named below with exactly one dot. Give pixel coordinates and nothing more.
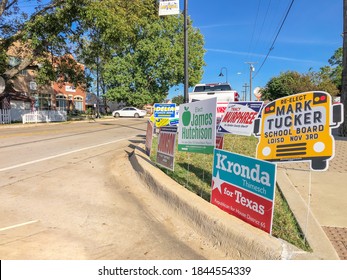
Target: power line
(263, 23)
(254, 27)
(274, 41)
(249, 54)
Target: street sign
(167, 7)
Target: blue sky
(240, 31)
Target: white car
(129, 112)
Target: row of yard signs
(243, 186)
(292, 128)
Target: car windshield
(213, 87)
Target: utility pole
(186, 75)
(343, 127)
(245, 86)
(97, 88)
(243, 95)
(251, 69)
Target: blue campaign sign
(244, 187)
(253, 175)
(164, 111)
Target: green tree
(179, 99)
(292, 82)
(336, 68)
(41, 36)
(106, 29)
(323, 80)
(287, 83)
(328, 79)
(139, 55)
(153, 62)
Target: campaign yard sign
(219, 141)
(159, 122)
(244, 187)
(197, 126)
(166, 147)
(298, 128)
(172, 121)
(164, 110)
(239, 118)
(149, 137)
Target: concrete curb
(236, 238)
(313, 231)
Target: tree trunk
(10, 73)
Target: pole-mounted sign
(168, 8)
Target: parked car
(129, 112)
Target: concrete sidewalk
(319, 201)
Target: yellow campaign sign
(159, 122)
(298, 128)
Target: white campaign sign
(197, 126)
(239, 118)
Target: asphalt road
(68, 191)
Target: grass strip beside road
(194, 172)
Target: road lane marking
(63, 154)
(18, 225)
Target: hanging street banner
(149, 137)
(166, 147)
(197, 126)
(239, 118)
(244, 187)
(167, 7)
(298, 128)
(164, 110)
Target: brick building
(52, 96)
